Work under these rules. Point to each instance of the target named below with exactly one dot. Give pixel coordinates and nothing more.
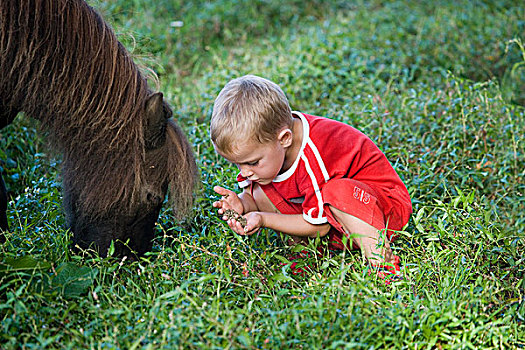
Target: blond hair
(248, 108)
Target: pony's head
(63, 65)
(123, 203)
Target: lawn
(439, 86)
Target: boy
(304, 175)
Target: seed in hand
(232, 214)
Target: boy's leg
(373, 242)
(264, 204)
(353, 208)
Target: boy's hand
(254, 222)
(230, 200)
(251, 223)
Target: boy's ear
(285, 137)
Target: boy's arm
(248, 203)
(241, 203)
(294, 225)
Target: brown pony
(61, 64)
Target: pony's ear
(155, 121)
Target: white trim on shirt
(306, 137)
(319, 160)
(320, 202)
(315, 221)
(244, 184)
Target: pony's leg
(4, 226)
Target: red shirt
(333, 150)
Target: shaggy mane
(63, 65)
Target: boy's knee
(262, 202)
(344, 217)
(353, 200)
(258, 194)
(332, 185)
(337, 189)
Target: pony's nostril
(152, 197)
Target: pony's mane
(63, 65)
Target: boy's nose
(245, 172)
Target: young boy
(305, 175)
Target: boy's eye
(253, 163)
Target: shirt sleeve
(242, 181)
(313, 205)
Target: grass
(437, 85)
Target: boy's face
(260, 162)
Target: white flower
(176, 24)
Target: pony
(62, 64)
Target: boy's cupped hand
(243, 225)
(229, 200)
(254, 223)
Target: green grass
(438, 86)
